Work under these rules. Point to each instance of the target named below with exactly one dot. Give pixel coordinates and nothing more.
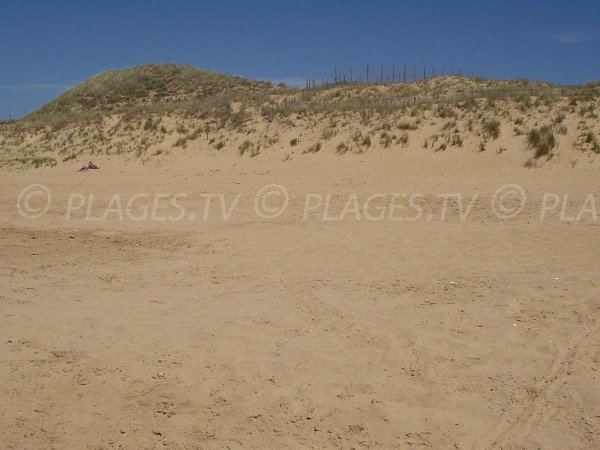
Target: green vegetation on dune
(167, 88)
(153, 110)
(152, 88)
(148, 83)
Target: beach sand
(311, 329)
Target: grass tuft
(542, 140)
(491, 128)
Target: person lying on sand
(90, 166)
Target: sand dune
(255, 266)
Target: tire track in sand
(522, 424)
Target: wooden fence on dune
(382, 73)
(309, 99)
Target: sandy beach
(308, 329)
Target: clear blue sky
(48, 45)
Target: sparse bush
(249, 147)
(548, 100)
(366, 141)
(315, 148)
(542, 140)
(590, 138)
(449, 125)
(469, 104)
(181, 142)
(342, 148)
(385, 139)
(271, 140)
(38, 161)
(195, 134)
(328, 133)
(245, 146)
(588, 111)
(239, 119)
(407, 126)
(562, 129)
(457, 140)
(140, 149)
(365, 117)
(149, 124)
(446, 112)
(69, 157)
(386, 126)
(403, 139)
(531, 163)
(526, 104)
(491, 128)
